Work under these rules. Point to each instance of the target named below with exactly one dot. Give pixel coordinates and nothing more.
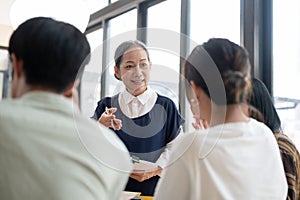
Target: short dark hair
(52, 52)
(262, 101)
(232, 62)
(125, 46)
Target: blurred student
(47, 147)
(262, 109)
(145, 121)
(236, 157)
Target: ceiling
(5, 25)
(4, 11)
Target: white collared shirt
(134, 107)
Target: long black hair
(262, 101)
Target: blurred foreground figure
(47, 147)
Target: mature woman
(144, 120)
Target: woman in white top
(237, 157)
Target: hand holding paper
(144, 170)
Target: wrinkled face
(134, 70)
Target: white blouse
(230, 161)
(134, 107)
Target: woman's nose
(138, 70)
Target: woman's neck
(137, 92)
(228, 114)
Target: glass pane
(112, 1)
(213, 18)
(209, 20)
(5, 74)
(286, 62)
(90, 83)
(165, 73)
(123, 23)
(159, 18)
(163, 40)
(122, 28)
(95, 39)
(3, 59)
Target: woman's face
(134, 70)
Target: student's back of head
(232, 62)
(51, 52)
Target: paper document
(144, 166)
(129, 195)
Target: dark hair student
(47, 146)
(42, 46)
(212, 163)
(262, 108)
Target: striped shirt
(291, 163)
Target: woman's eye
(128, 66)
(144, 65)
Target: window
(215, 18)
(210, 19)
(3, 59)
(286, 62)
(122, 28)
(113, 1)
(90, 84)
(123, 23)
(164, 73)
(158, 17)
(4, 74)
(163, 41)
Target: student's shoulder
(7, 102)
(90, 131)
(116, 156)
(187, 143)
(9, 106)
(286, 143)
(256, 125)
(260, 131)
